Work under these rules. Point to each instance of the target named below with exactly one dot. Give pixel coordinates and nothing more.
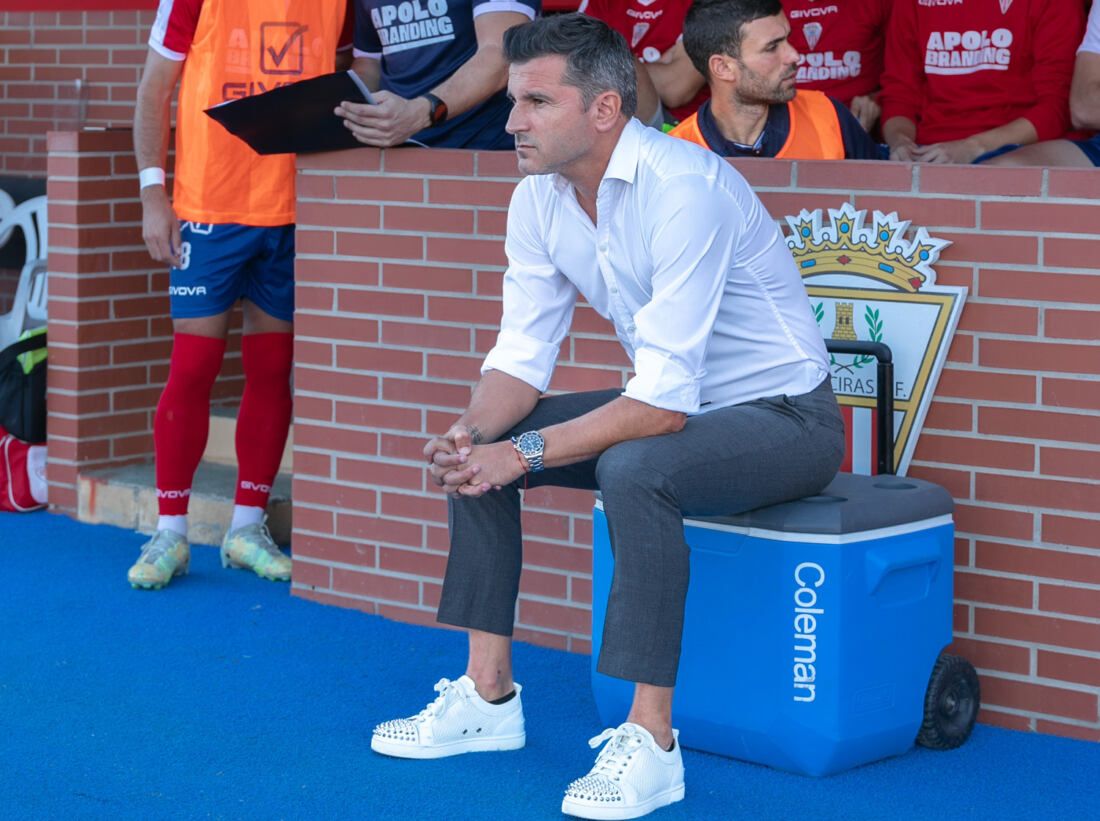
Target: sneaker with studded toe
(458, 721)
(632, 776)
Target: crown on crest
(846, 245)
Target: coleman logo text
(808, 578)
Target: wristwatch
(438, 111)
(530, 446)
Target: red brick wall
(42, 56)
(9, 278)
(399, 277)
(110, 335)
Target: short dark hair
(597, 58)
(714, 27)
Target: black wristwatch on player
(438, 111)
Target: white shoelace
(446, 688)
(264, 538)
(613, 758)
(157, 547)
(268, 543)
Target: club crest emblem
(876, 283)
(640, 30)
(812, 33)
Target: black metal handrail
(885, 388)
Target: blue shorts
(1091, 148)
(220, 264)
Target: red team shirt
(651, 27)
(960, 67)
(841, 42)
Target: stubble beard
(754, 91)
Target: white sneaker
(632, 776)
(458, 721)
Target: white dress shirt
(684, 260)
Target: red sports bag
(22, 474)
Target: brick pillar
(109, 330)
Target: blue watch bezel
(530, 445)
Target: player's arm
(369, 70)
(152, 127)
(393, 119)
(902, 92)
(486, 73)
(675, 78)
(648, 99)
(1084, 95)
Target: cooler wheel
(950, 705)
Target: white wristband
(151, 176)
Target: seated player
(755, 109)
(965, 80)
(1084, 109)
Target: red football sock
(182, 421)
(264, 418)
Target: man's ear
(608, 107)
(724, 68)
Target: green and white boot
(252, 548)
(163, 557)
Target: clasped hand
(462, 468)
(954, 151)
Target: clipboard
(295, 118)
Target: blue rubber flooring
(224, 697)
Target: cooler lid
(849, 504)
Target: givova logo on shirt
(412, 24)
(967, 52)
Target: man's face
(551, 126)
(768, 63)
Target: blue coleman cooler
(813, 630)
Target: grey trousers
(726, 461)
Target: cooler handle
(881, 562)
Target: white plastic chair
(28, 311)
(30, 217)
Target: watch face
(530, 442)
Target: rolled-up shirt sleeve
(538, 299)
(692, 229)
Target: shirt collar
(623, 164)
